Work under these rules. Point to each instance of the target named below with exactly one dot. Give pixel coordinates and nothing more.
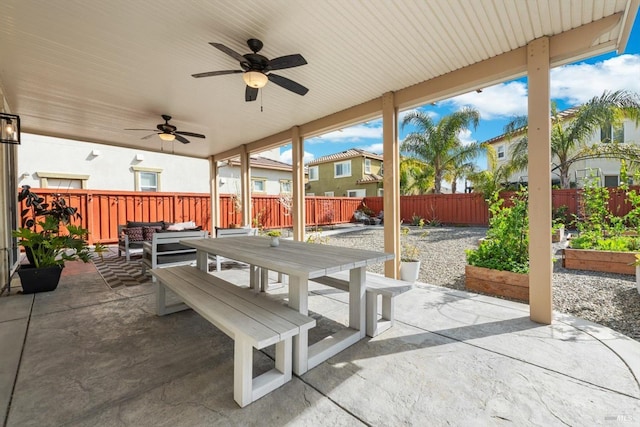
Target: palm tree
(494, 178)
(439, 144)
(416, 177)
(569, 136)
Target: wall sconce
(95, 153)
(139, 157)
(9, 128)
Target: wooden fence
(102, 211)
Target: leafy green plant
(409, 253)
(506, 247)
(417, 220)
(274, 233)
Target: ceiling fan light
(255, 79)
(167, 136)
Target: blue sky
(571, 85)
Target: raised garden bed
(594, 260)
(497, 282)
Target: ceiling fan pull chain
(261, 100)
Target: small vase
(409, 271)
(275, 241)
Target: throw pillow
(147, 232)
(134, 233)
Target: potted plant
(409, 263)
(275, 237)
(46, 245)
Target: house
(608, 170)
(350, 173)
(88, 165)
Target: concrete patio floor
(87, 355)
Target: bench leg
(374, 326)
(161, 302)
(242, 372)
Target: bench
(250, 319)
(164, 250)
(376, 284)
(232, 232)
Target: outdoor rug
(117, 272)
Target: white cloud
(373, 148)
(577, 83)
(504, 100)
(351, 134)
(286, 156)
(465, 137)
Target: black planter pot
(39, 279)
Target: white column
(214, 191)
(391, 183)
(539, 135)
(245, 184)
(298, 210)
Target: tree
(416, 177)
(439, 145)
(494, 178)
(569, 135)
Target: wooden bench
(249, 318)
(165, 251)
(232, 232)
(376, 284)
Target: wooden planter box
(606, 261)
(496, 282)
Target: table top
(290, 257)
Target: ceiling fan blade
(288, 84)
(232, 53)
(216, 73)
(148, 130)
(149, 136)
(250, 93)
(182, 139)
(195, 135)
(288, 61)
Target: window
(62, 180)
(611, 133)
(501, 151)
(313, 173)
(258, 185)
(311, 194)
(357, 193)
(367, 165)
(380, 192)
(342, 169)
(285, 186)
(611, 181)
(328, 193)
(148, 181)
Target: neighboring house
(351, 173)
(269, 176)
(607, 169)
(48, 162)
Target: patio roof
(90, 70)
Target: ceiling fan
(169, 132)
(255, 68)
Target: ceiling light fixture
(167, 136)
(255, 79)
(9, 127)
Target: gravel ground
(608, 299)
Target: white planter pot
(638, 278)
(409, 271)
(275, 241)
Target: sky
(571, 85)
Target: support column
(298, 210)
(539, 135)
(391, 184)
(214, 192)
(245, 185)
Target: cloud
(465, 137)
(504, 100)
(577, 83)
(373, 148)
(355, 133)
(286, 156)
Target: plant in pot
(46, 245)
(275, 237)
(409, 259)
(636, 263)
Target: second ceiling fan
(255, 68)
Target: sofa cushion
(147, 232)
(181, 226)
(135, 234)
(145, 224)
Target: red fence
(102, 211)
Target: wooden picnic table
(303, 261)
